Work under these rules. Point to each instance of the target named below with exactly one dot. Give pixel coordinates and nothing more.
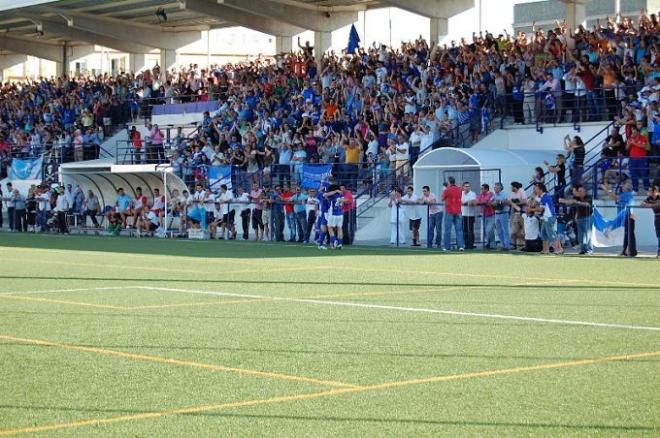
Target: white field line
(53, 291)
(412, 309)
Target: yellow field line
(176, 270)
(74, 303)
(205, 303)
(322, 394)
(492, 276)
(177, 362)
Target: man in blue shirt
(336, 217)
(123, 205)
(549, 216)
(300, 215)
(500, 203)
(324, 209)
(625, 201)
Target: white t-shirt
(209, 203)
(244, 202)
(159, 203)
(403, 156)
(225, 199)
(411, 210)
(531, 227)
(468, 210)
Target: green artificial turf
(141, 337)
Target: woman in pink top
(77, 145)
(157, 144)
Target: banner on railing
(219, 175)
(26, 169)
(314, 174)
(607, 233)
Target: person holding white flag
(625, 219)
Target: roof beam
(121, 30)
(432, 8)
(71, 33)
(240, 18)
(40, 50)
(322, 21)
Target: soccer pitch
(144, 337)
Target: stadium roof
(139, 26)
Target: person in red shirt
(452, 199)
(348, 207)
(286, 196)
(136, 140)
(637, 147)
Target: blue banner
(219, 175)
(25, 169)
(314, 174)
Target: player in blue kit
(336, 216)
(322, 221)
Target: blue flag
(353, 40)
(219, 175)
(314, 174)
(25, 169)
(607, 233)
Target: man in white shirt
(224, 199)
(61, 208)
(159, 204)
(469, 212)
(243, 204)
(43, 208)
(402, 154)
(410, 201)
(435, 217)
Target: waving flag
(353, 40)
(25, 169)
(219, 175)
(605, 232)
(315, 174)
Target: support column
(576, 13)
(283, 44)
(63, 69)
(322, 43)
(439, 28)
(136, 62)
(167, 61)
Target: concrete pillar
(167, 61)
(283, 44)
(136, 62)
(322, 43)
(63, 69)
(576, 13)
(439, 28)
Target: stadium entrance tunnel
(104, 178)
(478, 166)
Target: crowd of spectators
(376, 109)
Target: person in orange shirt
(638, 147)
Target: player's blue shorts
(323, 220)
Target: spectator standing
(286, 199)
(257, 212)
(625, 201)
(348, 207)
(411, 207)
(11, 207)
(157, 139)
(546, 208)
(136, 142)
(576, 151)
(583, 211)
(20, 213)
(638, 146)
(299, 200)
(43, 208)
(484, 199)
(653, 202)
(435, 217)
(278, 214)
(500, 203)
(397, 217)
(452, 196)
(243, 200)
(92, 209)
(469, 213)
(517, 200)
(311, 208)
(559, 169)
(61, 208)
